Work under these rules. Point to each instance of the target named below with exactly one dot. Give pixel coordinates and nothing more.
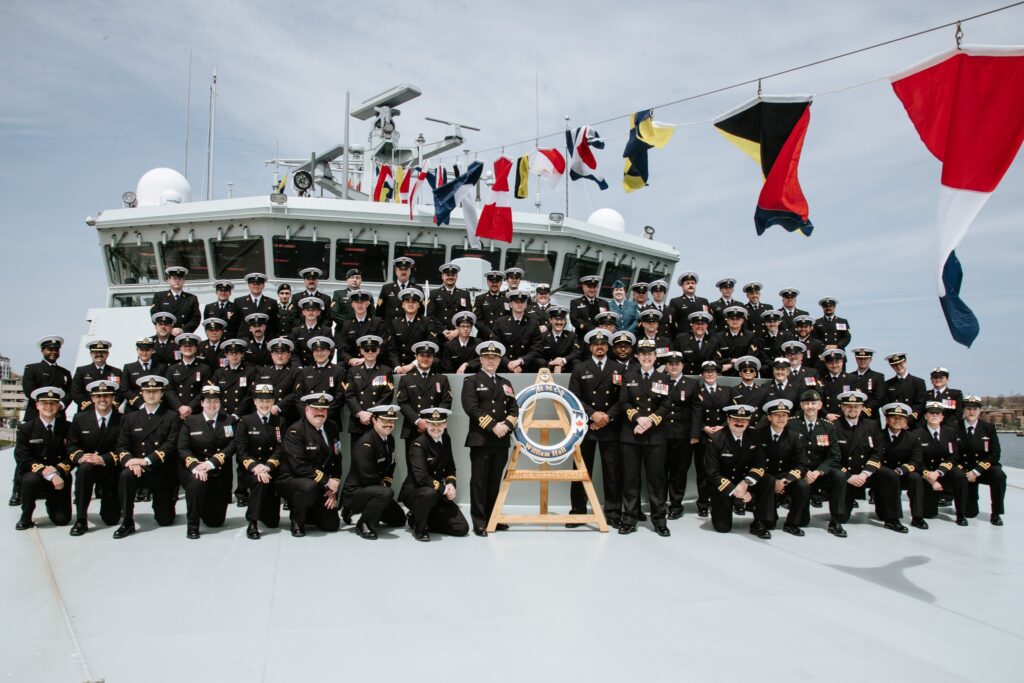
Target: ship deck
(549, 604)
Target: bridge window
(371, 260)
(291, 256)
(192, 255)
(428, 262)
(623, 272)
(132, 264)
(574, 268)
(129, 300)
(650, 276)
(492, 257)
(233, 259)
(539, 267)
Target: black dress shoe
(642, 517)
(15, 500)
(758, 529)
(739, 508)
(365, 531)
(675, 514)
(815, 502)
(79, 528)
(421, 536)
(242, 501)
(961, 520)
(501, 527)
(663, 531)
(480, 531)
(410, 521)
(702, 510)
(285, 505)
(127, 528)
(793, 529)
(996, 520)
(836, 529)
(193, 531)
(918, 523)
(253, 531)
(24, 524)
(894, 525)
(298, 530)
(573, 525)
(346, 515)
(854, 505)
(627, 528)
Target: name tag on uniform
(330, 381)
(950, 445)
(871, 442)
(312, 448)
(85, 431)
(195, 433)
(137, 429)
(379, 381)
(822, 439)
(254, 432)
(726, 455)
(199, 377)
(242, 382)
(841, 327)
(586, 377)
(660, 388)
(42, 440)
(508, 390)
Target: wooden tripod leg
(506, 482)
(544, 467)
(588, 486)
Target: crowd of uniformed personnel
(253, 408)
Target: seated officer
(368, 485)
(429, 488)
(40, 451)
(206, 447)
(99, 350)
(979, 458)
(258, 449)
(940, 453)
(901, 452)
(785, 454)
(823, 473)
(734, 463)
(309, 479)
(92, 441)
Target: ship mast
(211, 141)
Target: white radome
(608, 218)
(162, 186)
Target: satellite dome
(608, 218)
(162, 186)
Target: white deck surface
(528, 604)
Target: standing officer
(429, 489)
(287, 310)
(282, 375)
(789, 310)
(459, 354)
(258, 449)
(781, 386)
(697, 346)
(179, 303)
(206, 448)
(770, 340)
(785, 457)
(341, 309)
(164, 348)
(799, 373)
(370, 384)
(734, 461)
(45, 373)
(146, 450)
(870, 382)
(583, 309)
(905, 388)
(321, 376)
(659, 303)
(368, 486)
(307, 328)
(756, 308)
(518, 333)
(952, 400)
(422, 388)
(980, 451)
(490, 305)
(726, 286)
(835, 381)
(236, 382)
(823, 461)
(831, 330)
(92, 440)
(558, 348)
(145, 350)
(99, 350)
(222, 307)
(514, 277)
(493, 411)
(445, 302)
(901, 452)
(41, 457)
(210, 352)
(681, 431)
(311, 278)
(389, 301)
(688, 302)
(257, 352)
(735, 342)
(644, 402)
(748, 392)
(650, 328)
(596, 383)
(813, 347)
(406, 329)
(360, 323)
(710, 416)
(256, 302)
(940, 453)
(310, 475)
(186, 377)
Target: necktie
(970, 431)
(780, 387)
(212, 423)
(145, 367)
(103, 423)
(775, 438)
(600, 368)
(647, 376)
(49, 432)
(266, 421)
(810, 426)
(222, 304)
(424, 375)
(935, 435)
(175, 297)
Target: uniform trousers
(703, 490)
(306, 503)
(58, 503)
(86, 477)
(159, 479)
(995, 479)
(678, 456)
(431, 511)
(486, 466)
(264, 504)
(913, 484)
(611, 479)
(955, 482)
(798, 493)
(722, 505)
(885, 492)
(206, 501)
(377, 504)
(652, 458)
(831, 484)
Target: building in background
(12, 401)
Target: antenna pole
(188, 108)
(567, 170)
(212, 136)
(344, 165)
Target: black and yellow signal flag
(771, 130)
(522, 188)
(644, 133)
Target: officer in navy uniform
(782, 385)
(583, 309)
(258, 437)
(97, 369)
(210, 352)
(756, 308)
(421, 388)
(45, 373)
(256, 302)
(834, 381)
(952, 400)
(831, 330)
(206, 449)
(940, 453)
(341, 301)
(725, 287)
(92, 440)
(490, 403)
(445, 302)
(283, 376)
(187, 377)
(870, 382)
(697, 345)
(491, 305)
(905, 388)
(650, 320)
(368, 487)
(688, 302)
(236, 382)
(824, 461)
(596, 383)
(710, 415)
(165, 351)
(406, 329)
(359, 324)
(623, 343)
(311, 279)
(147, 364)
(370, 384)
(785, 462)
(748, 391)
(735, 465)
(659, 303)
(860, 444)
(147, 453)
(735, 341)
(558, 348)
(310, 474)
(681, 431)
(287, 309)
(799, 373)
(541, 305)
(223, 307)
(770, 340)
(788, 309)
(901, 452)
(813, 347)
(518, 333)
(321, 376)
(257, 350)
(179, 303)
(429, 488)
(979, 459)
(41, 460)
(308, 327)
(389, 302)
(459, 354)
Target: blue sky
(94, 95)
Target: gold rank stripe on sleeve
(64, 466)
(160, 454)
(437, 485)
(388, 480)
(75, 455)
(450, 479)
(656, 419)
(984, 465)
(485, 420)
(946, 466)
(219, 457)
(344, 385)
(273, 462)
(84, 405)
(36, 468)
(909, 467)
(873, 463)
(189, 461)
(795, 473)
(631, 413)
(759, 471)
(512, 420)
(123, 455)
(247, 463)
(319, 476)
(724, 484)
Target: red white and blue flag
(459, 192)
(581, 144)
